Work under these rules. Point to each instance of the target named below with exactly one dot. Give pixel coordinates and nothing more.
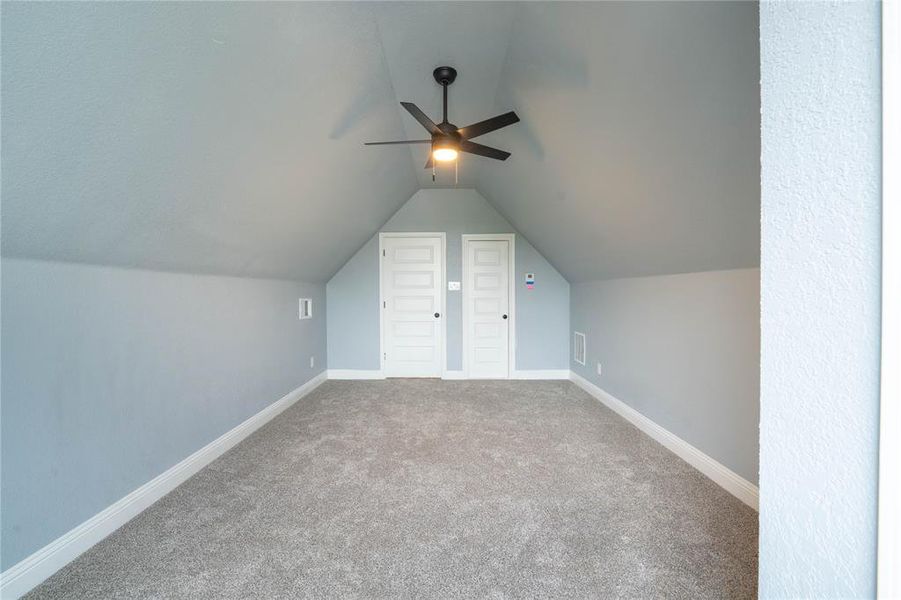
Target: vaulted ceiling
(227, 137)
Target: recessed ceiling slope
(199, 137)
(638, 150)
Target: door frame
(888, 549)
(511, 294)
(442, 285)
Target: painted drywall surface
(639, 140)
(212, 136)
(473, 38)
(820, 298)
(683, 350)
(198, 137)
(111, 376)
(542, 314)
(353, 313)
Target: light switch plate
(453, 286)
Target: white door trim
(888, 562)
(511, 271)
(442, 328)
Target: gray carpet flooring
(433, 489)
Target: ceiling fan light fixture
(448, 140)
(444, 148)
(444, 154)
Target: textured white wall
(820, 196)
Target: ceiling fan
(447, 139)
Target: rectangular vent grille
(305, 310)
(579, 347)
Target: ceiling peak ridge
(511, 27)
(390, 76)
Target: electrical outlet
(313, 362)
(600, 370)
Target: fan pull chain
(433, 171)
(456, 170)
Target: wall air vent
(579, 347)
(306, 308)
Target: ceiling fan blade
(400, 142)
(488, 125)
(421, 117)
(473, 148)
(429, 163)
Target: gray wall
(542, 314)
(111, 376)
(638, 153)
(819, 401)
(683, 350)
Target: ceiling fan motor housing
(446, 138)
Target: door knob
(505, 316)
(439, 314)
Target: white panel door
(487, 289)
(412, 285)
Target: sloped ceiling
(197, 136)
(639, 148)
(226, 137)
(473, 38)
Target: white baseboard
(29, 572)
(355, 374)
(730, 481)
(450, 374)
(541, 374)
